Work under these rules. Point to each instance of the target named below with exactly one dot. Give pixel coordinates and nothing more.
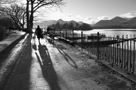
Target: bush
(2, 32)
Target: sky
(91, 11)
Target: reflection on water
(122, 33)
(111, 32)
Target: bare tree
(33, 5)
(6, 1)
(16, 13)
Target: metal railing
(117, 50)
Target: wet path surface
(43, 66)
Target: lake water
(111, 32)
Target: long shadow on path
(8, 50)
(48, 71)
(68, 58)
(19, 78)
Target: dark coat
(39, 32)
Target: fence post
(73, 35)
(127, 54)
(122, 65)
(134, 55)
(60, 32)
(82, 39)
(98, 45)
(130, 57)
(53, 35)
(66, 34)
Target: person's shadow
(48, 71)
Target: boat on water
(95, 36)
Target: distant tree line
(70, 26)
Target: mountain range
(117, 22)
(45, 24)
(72, 25)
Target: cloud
(77, 17)
(64, 16)
(129, 14)
(40, 16)
(89, 20)
(103, 18)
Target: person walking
(39, 32)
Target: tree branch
(51, 2)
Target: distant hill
(115, 22)
(72, 25)
(45, 24)
(130, 23)
(119, 19)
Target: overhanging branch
(51, 2)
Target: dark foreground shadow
(68, 58)
(7, 51)
(19, 76)
(47, 68)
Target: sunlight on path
(36, 75)
(43, 67)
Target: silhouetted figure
(39, 32)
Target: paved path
(14, 35)
(43, 66)
(10, 48)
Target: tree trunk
(31, 16)
(27, 17)
(31, 21)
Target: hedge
(2, 32)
